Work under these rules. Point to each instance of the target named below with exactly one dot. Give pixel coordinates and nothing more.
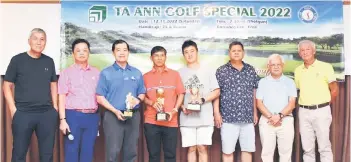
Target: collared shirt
(79, 86)
(313, 82)
(275, 93)
(172, 85)
(237, 92)
(115, 83)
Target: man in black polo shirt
(34, 105)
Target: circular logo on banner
(308, 14)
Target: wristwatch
(281, 115)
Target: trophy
(160, 98)
(129, 100)
(195, 97)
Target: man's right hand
(274, 120)
(157, 106)
(119, 115)
(185, 110)
(64, 127)
(12, 112)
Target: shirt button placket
(81, 77)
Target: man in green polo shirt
(318, 89)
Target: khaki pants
(315, 124)
(270, 135)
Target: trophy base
(127, 114)
(194, 107)
(161, 117)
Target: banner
(263, 27)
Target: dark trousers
(44, 124)
(84, 127)
(154, 136)
(121, 132)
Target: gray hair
(37, 30)
(272, 56)
(311, 43)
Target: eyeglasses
(275, 65)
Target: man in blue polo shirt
(116, 83)
(276, 95)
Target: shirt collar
(81, 68)
(269, 77)
(164, 70)
(117, 67)
(230, 65)
(314, 64)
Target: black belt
(312, 107)
(133, 110)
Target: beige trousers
(270, 135)
(316, 124)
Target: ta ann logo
(308, 14)
(97, 13)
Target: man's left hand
(170, 115)
(274, 120)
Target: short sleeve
(179, 85)
(11, 71)
(63, 83)
(296, 78)
(256, 78)
(330, 74)
(292, 89)
(53, 74)
(141, 86)
(218, 77)
(213, 81)
(260, 90)
(101, 88)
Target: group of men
(225, 98)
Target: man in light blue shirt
(118, 85)
(276, 95)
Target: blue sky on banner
(329, 19)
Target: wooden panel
(30, 1)
(2, 130)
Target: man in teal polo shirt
(276, 95)
(121, 86)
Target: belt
(313, 107)
(133, 110)
(90, 111)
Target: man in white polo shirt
(276, 95)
